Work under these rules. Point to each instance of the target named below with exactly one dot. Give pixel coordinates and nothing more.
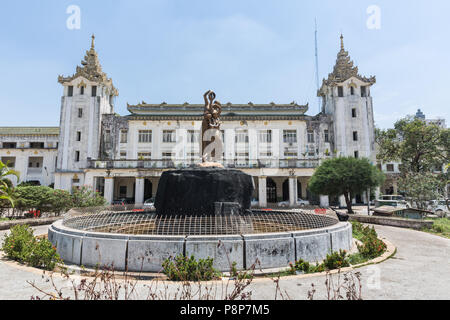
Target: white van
(393, 201)
(439, 207)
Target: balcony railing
(34, 171)
(173, 164)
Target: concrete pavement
(419, 270)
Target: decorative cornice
(228, 109)
(224, 118)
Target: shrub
(42, 198)
(189, 269)
(21, 245)
(86, 197)
(18, 244)
(371, 246)
(335, 260)
(43, 255)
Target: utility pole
(317, 66)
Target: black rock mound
(204, 191)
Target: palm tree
(6, 191)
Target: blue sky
(247, 50)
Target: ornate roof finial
(342, 42)
(93, 41)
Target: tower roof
(90, 69)
(344, 69)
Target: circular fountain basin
(141, 241)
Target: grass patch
(441, 227)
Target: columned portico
(292, 191)
(324, 201)
(109, 189)
(262, 187)
(139, 190)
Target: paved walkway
(419, 270)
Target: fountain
(202, 211)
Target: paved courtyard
(419, 270)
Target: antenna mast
(317, 66)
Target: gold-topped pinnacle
(93, 42)
(342, 42)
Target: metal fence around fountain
(138, 221)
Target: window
(9, 145)
(326, 136)
(167, 159)
(166, 155)
(355, 135)
(108, 139)
(123, 191)
(193, 155)
(78, 136)
(75, 180)
(37, 145)
(265, 136)
(123, 155)
(70, 91)
(82, 90)
(290, 155)
(390, 168)
(94, 91)
(290, 136)
(356, 154)
(9, 161)
(352, 91)
(363, 91)
(193, 136)
(145, 136)
(310, 136)
(144, 155)
(241, 136)
(265, 154)
(310, 150)
(168, 136)
(340, 91)
(353, 113)
(77, 156)
(241, 158)
(80, 113)
(123, 136)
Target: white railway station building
(123, 156)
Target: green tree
(423, 150)
(6, 188)
(422, 187)
(346, 176)
(419, 146)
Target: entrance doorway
(271, 187)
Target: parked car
(439, 207)
(149, 203)
(119, 202)
(393, 201)
(300, 202)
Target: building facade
(123, 156)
